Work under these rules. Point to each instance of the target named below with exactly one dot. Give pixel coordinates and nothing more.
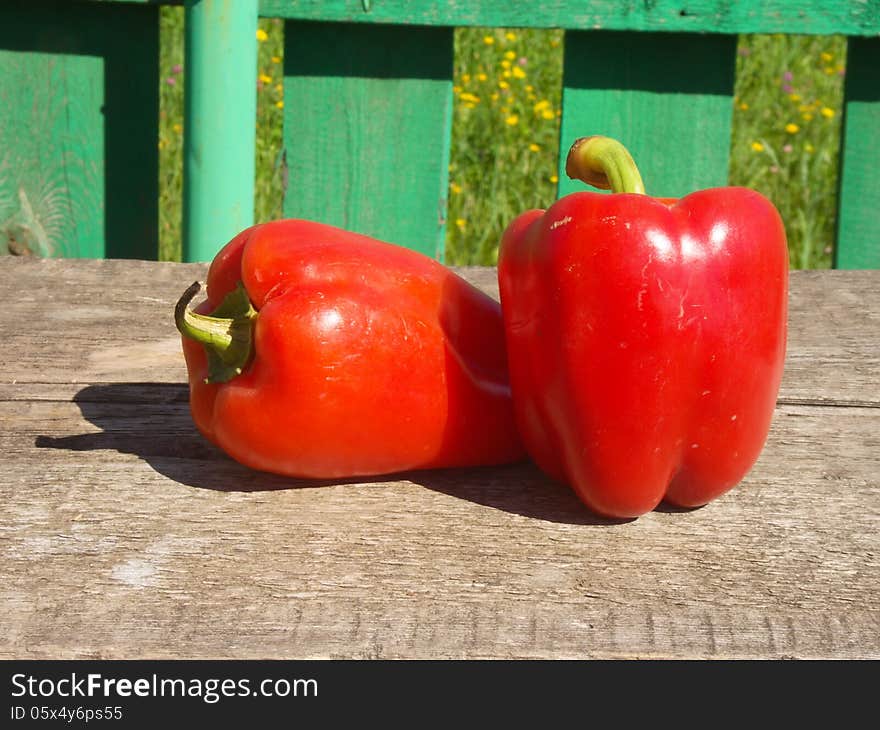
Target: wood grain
(695, 16)
(78, 129)
(644, 89)
(126, 535)
(367, 139)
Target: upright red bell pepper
(646, 337)
(323, 353)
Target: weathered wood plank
(111, 327)
(367, 135)
(823, 349)
(718, 16)
(667, 97)
(125, 546)
(78, 129)
(858, 227)
(126, 535)
(92, 320)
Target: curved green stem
(227, 333)
(604, 163)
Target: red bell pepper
(323, 353)
(646, 337)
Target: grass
(170, 132)
(505, 134)
(786, 134)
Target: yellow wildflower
(792, 128)
(177, 128)
(518, 73)
(465, 78)
(503, 85)
(535, 147)
(276, 59)
(827, 57)
(757, 147)
(279, 104)
(265, 79)
(512, 120)
(554, 178)
(530, 88)
(505, 63)
(470, 98)
(454, 188)
(262, 35)
(510, 36)
(830, 70)
(460, 222)
(509, 55)
(279, 88)
(481, 77)
(807, 117)
(548, 114)
(744, 106)
(494, 96)
(827, 112)
(541, 105)
(488, 40)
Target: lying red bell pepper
(646, 337)
(323, 353)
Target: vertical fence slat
(667, 96)
(858, 223)
(367, 123)
(78, 129)
(219, 124)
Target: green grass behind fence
(505, 135)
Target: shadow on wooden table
(152, 421)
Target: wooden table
(125, 535)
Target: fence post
(219, 123)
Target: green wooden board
(858, 223)
(719, 16)
(366, 129)
(667, 97)
(78, 129)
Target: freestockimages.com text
(209, 690)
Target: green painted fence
(367, 122)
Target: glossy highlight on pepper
(646, 337)
(321, 353)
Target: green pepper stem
(227, 333)
(604, 163)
